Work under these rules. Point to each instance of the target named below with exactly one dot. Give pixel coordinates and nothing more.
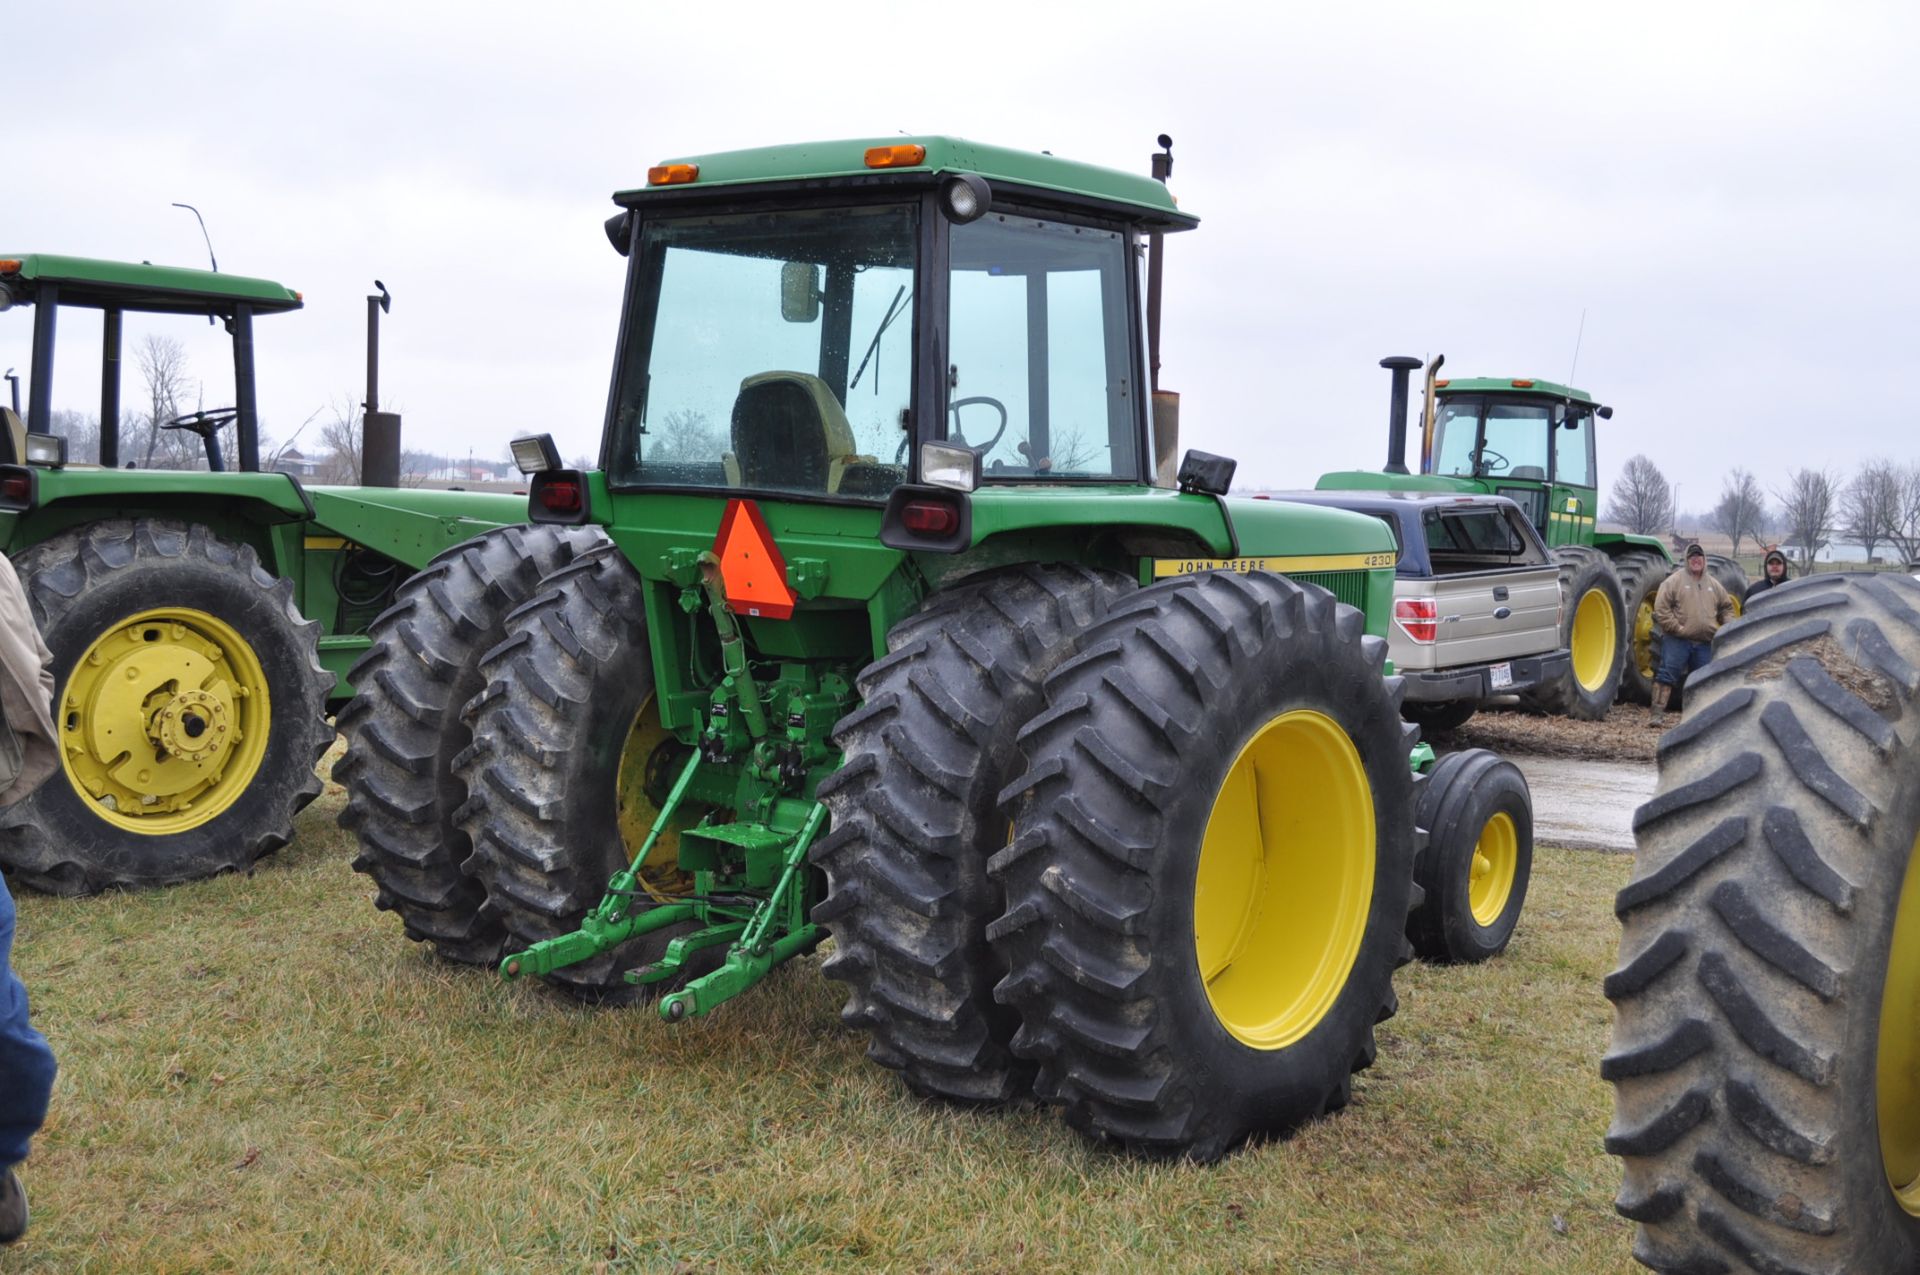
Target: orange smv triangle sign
(751, 568)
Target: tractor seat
(1528, 471)
(16, 437)
(789, 433)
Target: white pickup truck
(1476, 599)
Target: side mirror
(799, 292)
(619, 229)
(1604, 413)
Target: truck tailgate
(1483, 616)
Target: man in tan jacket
(1688, 610)
(28, 755)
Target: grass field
(261, 1073)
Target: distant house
(292, 462)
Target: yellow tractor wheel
(189, 702)
(1207, 894)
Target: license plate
(1500, 675)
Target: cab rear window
(1466, 538)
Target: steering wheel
(1491, 460)
(953, 410)
(204, 423)
(955, 436)
(207, 425)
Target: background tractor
(202, 622)
(875, 627)
(1532, 441)
(1766, 1042)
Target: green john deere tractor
(202, 623)
(1532, 441)
(877, 629)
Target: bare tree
(1807, 507)
(1903, 529)
(685, 436)
(82, 432)
(163, 368)
(1870, 505)
(1740, 510)
(340, 440)
(1642, 498)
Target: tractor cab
(1528, 440)
(51, 285)
(939, 312)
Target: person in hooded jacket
(1772, 572)
(28, 755)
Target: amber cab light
(1521, 384)
(672, 174)
(1442, 383)
(896, 156)
(1418, 618)
(9, 265)
(930, 518)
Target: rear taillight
(930, 518)
(561, 496)
(557, 495)
(1418, 618)
(17, 490)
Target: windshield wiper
(894, 310)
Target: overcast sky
(1728, 191)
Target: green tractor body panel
(1140, 198)
(89, 281)
(1613, 543)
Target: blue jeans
(26, 1063)
(1679, 657)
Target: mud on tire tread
(1755, 941)
(404, 728)
(915, 820)
(1123, 769)
(77, 583)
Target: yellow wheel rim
(164, 721)
(1643, 658)
(1594, 635)
(1285, 880)
(1496, 860)
(635, 811)
(1899, 1055)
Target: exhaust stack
(379, 431)
(1400, 365)
(1165, 403)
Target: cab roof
(121, 285)
(1509, 385)
(1142, 198)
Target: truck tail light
(1418, 618)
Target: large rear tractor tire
(1732, 577)
(1766, 1044)
(1641, 573)
(565, 736)
(1473, 874)
(404, 728)
(915, 821)
(1594, 629)
(190, 702)
(1208, 886)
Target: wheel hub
(164, 720)
(191, 726)
(1593, 639)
